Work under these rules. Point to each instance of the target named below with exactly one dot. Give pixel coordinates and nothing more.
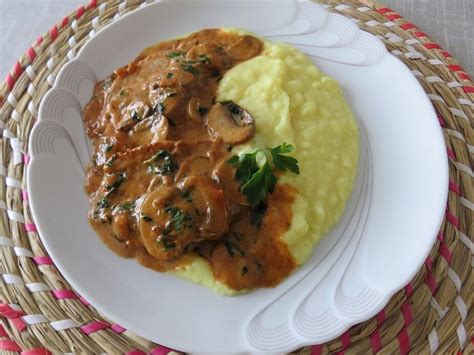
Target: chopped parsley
(110, 160)
(106, 147)
(190, 69)
(169, 75)
(187, 196)
(176, 54)
(168, 244)
(146, 218)
(103, 203)
(204, 59)
(121, 177)
(257, 182)
(257, 214)
(126, 207)
(232, 248)
(101, 157)
(229, 247)
(99, 212)
(162, 163)
(179, 219)
(135, 116)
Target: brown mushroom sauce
(160, 188)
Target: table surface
(449, 22)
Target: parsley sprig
(256, 182)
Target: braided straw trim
(38, 309)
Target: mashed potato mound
(293, 102)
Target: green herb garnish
(105, 147)
(135, 116)
(121, 177)
(179, 219)
(161, 163)
(204, 59)
(169, 75)
(168, 244)
(257, 214)
(256, 182)
(190, 69)
(175, 54)
(126, 207)
(233, 248)
(99, 212)
(229, 246)
(187, 196)
(110, 160)
(103, 203)
(146, 218)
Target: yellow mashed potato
(293, 102)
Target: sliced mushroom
(171, 222)
(245, 48)
(121, 226)
(172, 104)
(159, 129)
(195, 111)
(133, 114)
(230, 122)
(209, 54)
(199, 51)
(194, 166)
(153, 221)
(208, 198)
(176, 77)
(149, 131)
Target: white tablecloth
(449, 22)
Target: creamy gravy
(160, 187)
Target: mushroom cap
(245, 48)
(202, 216)
(230, 122)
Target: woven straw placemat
(41, 314)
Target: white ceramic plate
(383, 238)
